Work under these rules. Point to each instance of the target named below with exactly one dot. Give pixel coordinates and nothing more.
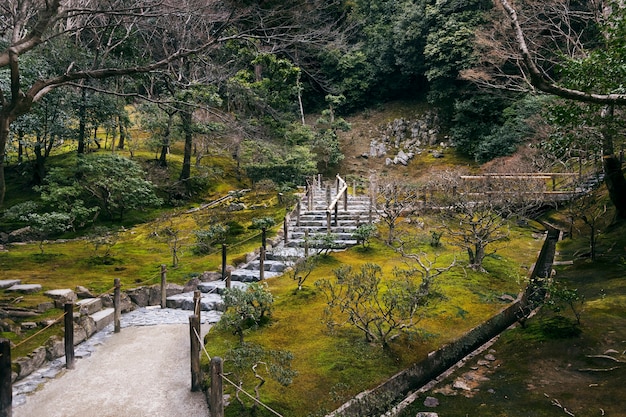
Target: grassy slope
(535, 369)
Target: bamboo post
(196, 372)
(69, 335)
(6, 387)
(116, 305)
(223, 261)
(262, 264)
(216, 396)
(163, 285)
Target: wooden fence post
(6, 387)
(69, 335)
(328, 198)
(196, 372)
(223, 261)
(116, 306)
(197, 307)
(262, 264)
(216, 396)
(163, 285)
(228, 278)
(306, 243)
(285, 231)
(298, 210)
(345, 200)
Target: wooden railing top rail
(342, 187)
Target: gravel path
(142, 371)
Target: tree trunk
(615, 183)
(5, 124)
(120, 144)
(186, 121)
(82, 114)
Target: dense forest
(79, 76)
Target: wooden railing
(342, 191)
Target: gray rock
(140, 296)
(82, 292)
(88, 324)
(426, 414)
(29, 325)
(24, 288)
(8, 283)
(61, 296)
(431, 402)
(55, 348)
(27, 365)
(43, 307)
(461, 384)
(490, 357)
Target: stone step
(184, 301)
(337, 244)
(338, 235)
(322, 230)
(249, 275)
(268, 265)
(89, 305)
(8, 283)
(24, 288)
(103, 318)
(218, 287)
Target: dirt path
(141, 371)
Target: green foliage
(205, 239)
(43, 225)
(364, 233)
(517, 127)
(251, 362)
(106, 183)
(246, 309)
(359, 299)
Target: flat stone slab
(184, 301)
(103, 318)
(249, 275)
(64, 293)
(25, 288)
(7, 283)
(90, 305)
(218, 287)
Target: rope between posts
(231, 382)
(249, 395)
(41, 331)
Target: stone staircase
(306, 229)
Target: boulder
(28, 364)
(82, 292)
(431, 402)
(140, 296)
(55, 348)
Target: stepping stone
(218, 287)
(61, 296)
(184, 301)
(7, 283)
(90, 305)
(25, 288)
(103, 318)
